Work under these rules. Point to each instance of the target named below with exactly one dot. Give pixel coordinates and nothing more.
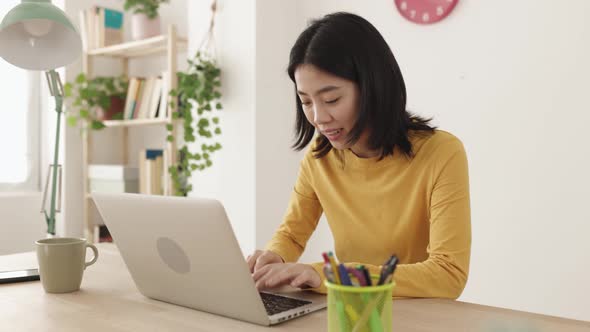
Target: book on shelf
(147, 98)
(101, 27)
(154, 102)
(84, 29)
(112, 27)
(162, 112)
(151, 171)
(131, 96)
(138, 99)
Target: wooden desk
(109, 301)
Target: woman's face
(331, 104)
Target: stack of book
(113, 179)
(147, 98)
(100, 27)
(151, 171)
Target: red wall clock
(425, 11)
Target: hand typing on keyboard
(261, 258)
(280, 274)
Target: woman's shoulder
(435, 143)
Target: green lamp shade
(36, 35)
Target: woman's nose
(320, 115)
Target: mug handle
(91, 246)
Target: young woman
(387, 181)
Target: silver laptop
(183, 251)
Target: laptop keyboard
(275, 304)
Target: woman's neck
(364, 152)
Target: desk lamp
(36, 35)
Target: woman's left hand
(280, 274)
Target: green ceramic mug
(62, 262)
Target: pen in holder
(359, 309)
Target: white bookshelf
(151, 46)
(168, 44)
(135, 122)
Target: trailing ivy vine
(198, 99)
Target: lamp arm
(56, 90)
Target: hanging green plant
(95, 100)
(198, 98)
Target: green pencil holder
(359, 309)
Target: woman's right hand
(260, 258)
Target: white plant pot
(142, 27)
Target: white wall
(509, 78)
(232, 177)
(276, 165)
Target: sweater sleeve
(444, 273)
(300, 220)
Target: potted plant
(96, 99)
(198, 99)
(145, 21)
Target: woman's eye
(305, 103)
(332, 101)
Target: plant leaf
(72, 121)
(96, 125)
(68, 89)
(81, 78)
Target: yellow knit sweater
(415, 208)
